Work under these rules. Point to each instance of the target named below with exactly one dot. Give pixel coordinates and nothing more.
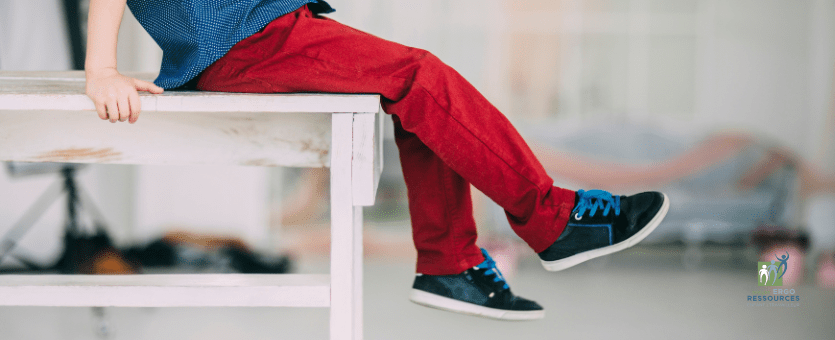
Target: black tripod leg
(9, 240)
(73, 20)
(86, 203)
(72, 199)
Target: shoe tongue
(625, 204)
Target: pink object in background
(826, 271)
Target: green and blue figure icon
(771, 274)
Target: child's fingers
(147, 86)
(124, 108)
(101, 109)
(135, 107)
(112, 110)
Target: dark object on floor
(766, 236)
(250, 263)
(206, 254)
(155, 254)
(91, 250)
(93, 255)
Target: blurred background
(727, 106)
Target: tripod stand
(77, 245)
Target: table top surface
(168, 280)
(65, 90)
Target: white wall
(758, 66)
(32, 35)
(768, 67)
(226, 200)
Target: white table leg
(346, 236)
(356, 291)
(367, 160)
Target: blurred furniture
(46, 117)
(710, 202)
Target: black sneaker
(603, 224)
(480, 291)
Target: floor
(642, 292)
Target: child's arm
(113, 94)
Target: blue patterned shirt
(193, 34)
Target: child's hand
(115, 95)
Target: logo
(771, 273)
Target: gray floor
(641, 293)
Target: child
(448, 134)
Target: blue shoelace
(596, 199)
(490, 265)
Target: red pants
(448, 134)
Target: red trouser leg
(448, 134)
(443, 227)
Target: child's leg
(443, 227)
(447, 127)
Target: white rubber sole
(576, 259)
(440, 302)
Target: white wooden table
(45, 117)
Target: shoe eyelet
(577, 216)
